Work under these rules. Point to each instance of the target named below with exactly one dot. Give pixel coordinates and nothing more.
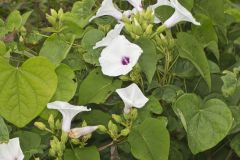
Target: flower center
(125, 60)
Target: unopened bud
(54, 13)
(102, 128)
(125, 132)
(112, 128)
(117, 118)
(51, 122)
(79, 132)
(40, 125)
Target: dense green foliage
(190, 74)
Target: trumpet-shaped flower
(79, 132)
(68, 112)
(137, 4)
(180, 14)
(160, 3)
(107, 9)
(132, 96)
(11, 150)
(110, 36)
(119, 57)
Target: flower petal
(68, 112)
(79, 132)
(107, 9)
(137, 4)
(132, 96)
(110, 36)
(111, 56)
(11, 150)
(180, 14)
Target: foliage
(189, 73)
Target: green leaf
(148, 59)
(30, 143)
(150, 140)
(14, 21)
(96, 117)
(83, 10)
(235, 144)
(96, 88)
(206, 123)
(189, 48)
(3, 49)
(86, 153)
(213, 9)
(230, 83)
(56, 48)
(89, 40)
(25, 91)
(66, 87)
(235, 13)
(206, 34)
(4, 133)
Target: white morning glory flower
(107, 9)
(180, 14)
(68, 112)
(132, 96)
(160, 3)
(11, 150)
(110, 36)
(137, 4)
(119, 57)
(79, 132)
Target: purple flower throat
(125, 60)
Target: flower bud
(125, 132)
(117, 118)
(51, 122)
(112, 128)
(79, 132)
(40, 125)
(54, 13)
(149, 29)
(102, 128)
(52, 152)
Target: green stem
(159, 30)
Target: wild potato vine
(147, 80)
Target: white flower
(11, 150)
(119, 57)
(137, 4)
(79, 132)
(68, 112)
(160, 3)
(110, 36)
(180, 14)
(107, 9)
(132, 96)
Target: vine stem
(105, 146)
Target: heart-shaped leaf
(25, 91)
(206, 123)
(150, 140)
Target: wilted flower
(68, 112)
(11, 150)
(110, 36)
(107, 9)
(119, 57)
(180, 14)
(132, 96)
(79, 132)
(137, 4)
